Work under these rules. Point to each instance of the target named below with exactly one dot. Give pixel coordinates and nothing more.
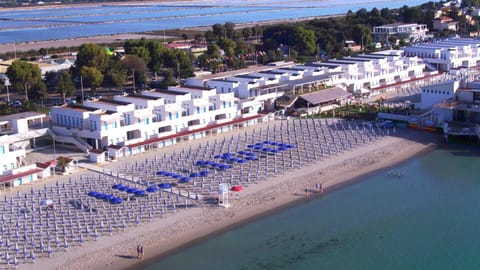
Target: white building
(438, 93)
(130, 124)
(370, 71)
(19, 132)
(448, 54)
(408, 32)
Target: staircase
(85, 147)
(430, 66)
(432, 117)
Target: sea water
(426, 218)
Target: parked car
(70, 101)
(17, 104)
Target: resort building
(366, 72)
(19, 133)
(130, 124)
(409, 32)
(448, 54)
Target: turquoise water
(427, 219)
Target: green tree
(229, 29)
(137, 66)
(116, 73)
(26, 77)
(64, 84)
(362, 35)
(91, 55)
(157, 52)
(304, 41)
(92, 77)
(227, 45)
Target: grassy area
(363, 112)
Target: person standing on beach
(138, 251)
(141, 253)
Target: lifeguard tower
(223, 190)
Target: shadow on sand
(126, 256)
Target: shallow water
(426, 219)
(59, 23)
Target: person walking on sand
(138, 251)
(141, 253)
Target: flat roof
(112, 101)
(224, 80)
(248, 70)
(22, 115)
(196, 87)
(140, 96)
(274, 72)
(171, 92)
(81, 108)
(327, 65)
(292, 68)
(248, 76)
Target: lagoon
(63, 22)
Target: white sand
(163, 235)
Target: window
(204, 108)
(198, 110)
(147, 121)
(169, 116)
(2, 149)
(105, 126)
(115, 124)
(176, 115)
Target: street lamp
(7, 84)
(14, 50)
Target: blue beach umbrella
(185, 179)
(140, 193)
(164, 185)
(152, 189)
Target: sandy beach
(162, 236)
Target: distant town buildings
(445, 23)
(408, 32)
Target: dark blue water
(47, 24)
(427, 219)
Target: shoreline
(313, 195)
(272, 211)
(167, 236)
